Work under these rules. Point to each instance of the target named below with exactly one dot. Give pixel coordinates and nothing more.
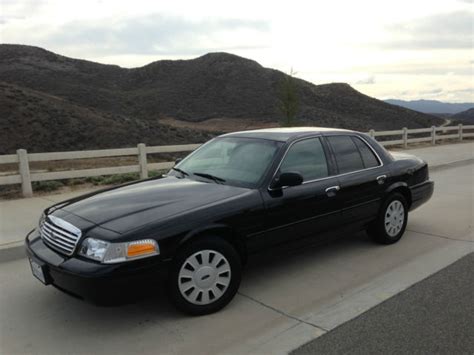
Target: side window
(307, 158)
(368, 156)
(347, 155)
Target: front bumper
(421, 193)
(95, 282)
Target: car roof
(283, 134)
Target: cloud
(432, 92)
(6, 19)
(468, 91)
(156, 34)
(417, 67)
(19, 9)
(425, 69)
(366, 81)
(449, 95)
(465, 93)
(442, 31)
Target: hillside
(40, 122)
(432, 106)
(465, 116)
(215, 86)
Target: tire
(214, 281)
(392, 220)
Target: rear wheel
(205, 276)
(392, 220)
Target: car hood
(130, 206)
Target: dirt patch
(219, 125)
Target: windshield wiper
(180, 171)
(210, 177)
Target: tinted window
(240, 161)
(368, 156)
(307, 158)
(347, 155)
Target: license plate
(38, 271)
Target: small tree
(288, 100)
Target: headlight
(110, 253)
(41, 220)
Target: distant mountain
(214, 86)
(432, 106)
(465, 116)
(42, 122)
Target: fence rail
(25, 177)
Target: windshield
(233, 161)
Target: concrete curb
(12, 251)
(451, 164)
(16, 250)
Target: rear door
(362, 177)
(302, 210)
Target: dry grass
(42, 188)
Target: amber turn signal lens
(141, 248)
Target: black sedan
(237, 194)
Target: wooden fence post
(405, 137)
(24, 169)
(460, 132)
(433, 135)
(372, 133)
(142, 161)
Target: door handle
(331, 191)
(381, 179)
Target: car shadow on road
(285, 255)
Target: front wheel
(392, 220)
(205, 276)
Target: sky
(404, 49)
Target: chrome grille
(59, 234)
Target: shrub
(113, 179)
(288, 100)
(47, 186)
(155, 173)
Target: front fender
(211, 229)
(221, 230)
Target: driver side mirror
(287, 179)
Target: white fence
(25, 178)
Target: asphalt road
(432, 317)
(286, 299)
